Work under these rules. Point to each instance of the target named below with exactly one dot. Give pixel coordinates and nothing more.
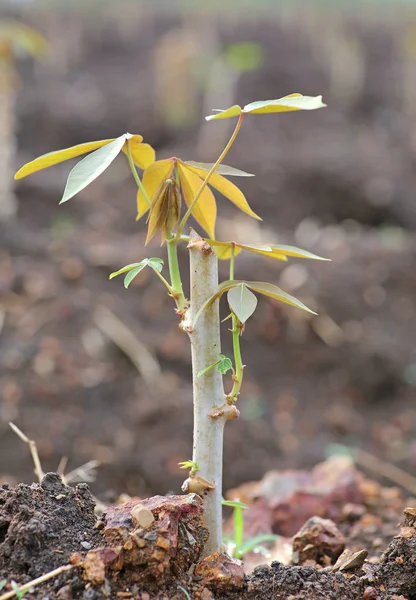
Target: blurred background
(80, 356)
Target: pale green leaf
(203, 371)
(254, 543)
(134, 269)
(268, 289)
(242, 302)
(126, 269)
(91, 167)
(2, 583)
(156, 264)
(222, 288)
(220, 170)
(224, 364)
(234, 503)
(285, 104)
(132, 274)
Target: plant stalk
(136, 176)
(175, 274)
(208, 390)
(236, 329)
(207, 178)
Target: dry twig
(123, 337)
(385, 469)
(33, 451)
(37, 581)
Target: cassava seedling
(236, 546)
(16, 39)
(162, 189)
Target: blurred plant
(236, 546)
(160, 192)
(244, 57)
(16, 40)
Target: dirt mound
(152, 548)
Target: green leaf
(224, 364)
(287, 103)
(189, 464)
(156, 264)
(242, 302)
(234, 503)
(18, 592)
(134, 269)
(2, 583)
(132, 274)
(203, 371)
(223, 287)
(91, 167)
(126, 269)
(254, 542)
(220, 170)
(268, 289)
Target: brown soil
(147, 548)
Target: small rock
(220, 572)
(142, 516)
(370, 593)
(65, 593)
(349, 561)
(86, 545)
(410, 516)
(316, 539)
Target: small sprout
(234, 503)
(188, 597)
(189, 464)
(20, 594)
(223, 364)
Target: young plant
(236, 546)
(16, 40)
(162, 189)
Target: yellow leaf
(285, 104)
(152, 178)
(223, 249)
(53, 158)
(143, 154)
(205, 210)
(28, 39)
(233, 111)
(296, 252)
(227, 189)
(270, 254)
